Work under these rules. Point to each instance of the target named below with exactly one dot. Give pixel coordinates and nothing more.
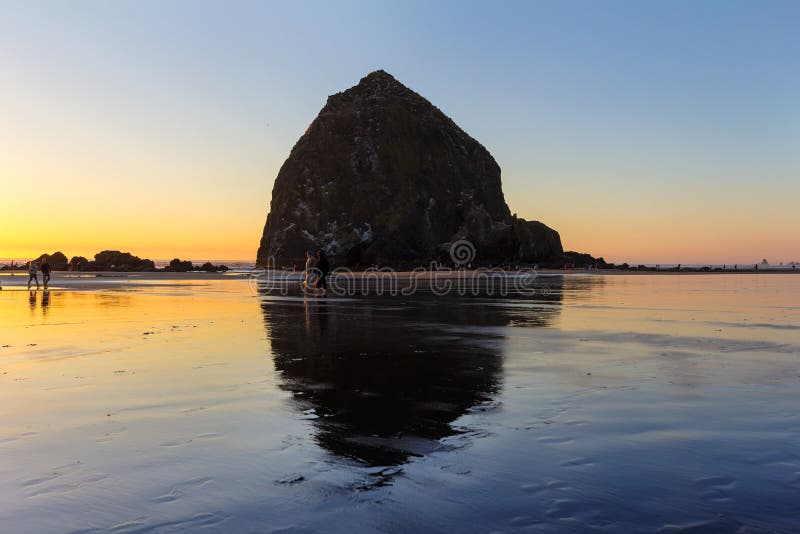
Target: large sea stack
(383, 176)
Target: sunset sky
(647, 132)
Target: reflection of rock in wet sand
(383, 377)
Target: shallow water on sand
(606, 403)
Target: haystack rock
(383, 176)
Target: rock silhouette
(114, 260)
(382, 175)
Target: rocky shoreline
(113, 261)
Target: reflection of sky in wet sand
(612, 403)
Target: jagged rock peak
(376, 87)
(379, 78)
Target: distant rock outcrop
(183, 266)
(211, 268)
(178, 266)
(114, 260)
(79, 263)
(382, 175)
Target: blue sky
(642, 131)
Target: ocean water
(609, 403)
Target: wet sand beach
(609, 403)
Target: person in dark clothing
(324, 268)
(45, 268)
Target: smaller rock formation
(211, 268)
(78, 263)
(114, 260)
(178, 266)
(535, 241)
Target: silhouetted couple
(317, 269)
(34, 267)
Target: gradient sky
(653, 132)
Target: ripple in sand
(539, 487)
(180, 442)
(555, 439)
(715, 482)
(130, 525)
(523, 521)
(566, 509)
(178, 490)
(698, 527)
(46, 489)
(715, 488)
(577, 462)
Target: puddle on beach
(600, 403)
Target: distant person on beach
(32, 268)
(311, 270)
(324, 268)
(45, 267)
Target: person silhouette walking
(32, 268)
